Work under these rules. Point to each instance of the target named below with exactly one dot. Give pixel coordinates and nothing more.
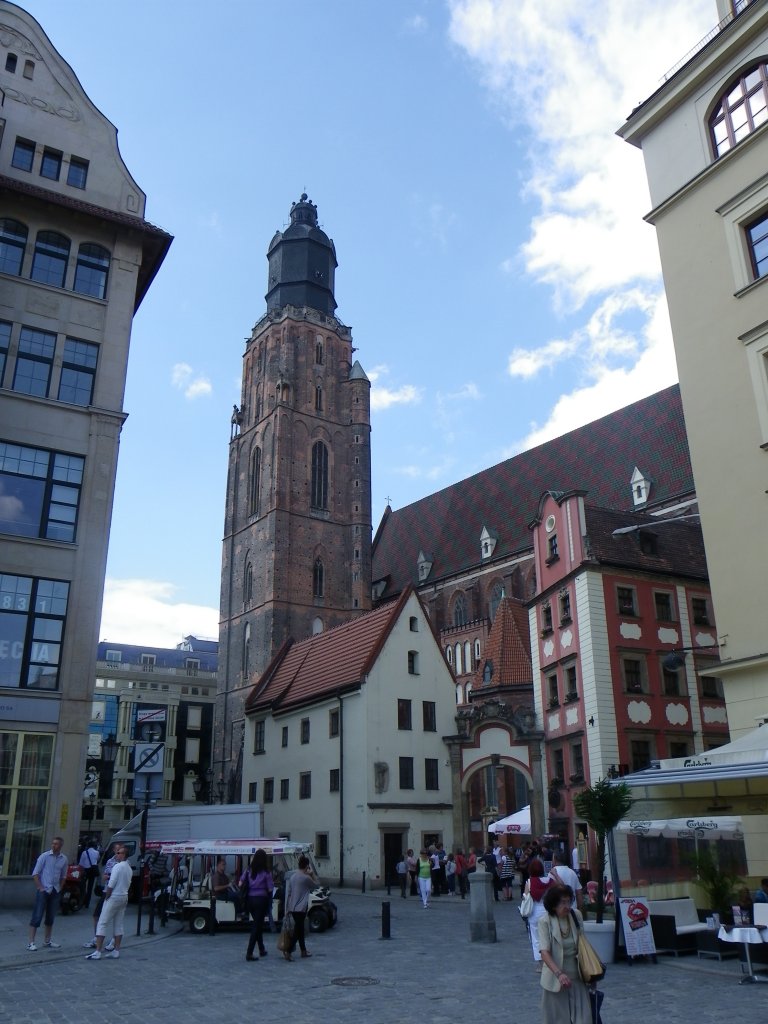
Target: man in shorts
(48, 875)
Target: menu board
(636, 918)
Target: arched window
(741, 109)
(459, 693)
(494, 599)
(319, 352)
(49, 264)
(468, 656)
(246, 648)
(13, 241)
(248, 585)
(460, 611)
(318, 399)
(318, 578)
(449, 654)
(457, 655)
(92, 270)
(254, 484)
(319, 489)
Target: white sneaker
(95, 955)
(114, 955)
(50, 944)
(109, 946)
(90, 945)
(31, 947)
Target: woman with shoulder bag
(565, 997)
(538, 884)
(256, 886)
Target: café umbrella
(694, 827)
(517, 824)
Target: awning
(518, 823)
(693, 827)
(752, 748)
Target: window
(679, 748)
(404, 719)
(29, 69)
(32, 618)
(664, 606)
(333, 722)
(577, 762)
(148, 662)
(318, 578)
(700, 611)
(546, 618)
(558, 765)
(458, 655)
(552, 554)
(319, 487)
(742, 109)
(194, 716)
(334, 780)
(34, 362)
(305, 785)
(319, 352)
(246, 660)
(413, 624)
(449, 654)
(494, 600)
(26, 764)
(49, 263)
(50, 165)
(625, 597)
(460, 611)
(10, 63)
(413, 663)
(192, 750)
(13, 241)
(41, 492)
(284, 789)
(711, 688)
(670, 681)
(254, 483)
(23, 155)
(633, 670)
(321, 845)
(641, 754)
(305, 730)
(77, 173)
(259, 732)
(253, 788)
(78, 372)
(92, 270)
(269, 790)
(5, 341)
(406, 772)
(757, 243)
(430, 773)
(248, 585)
(284, 736)
(571, 689)
(115, 656)
(552, 690)
(429, 715)
(318, 399)
(565, 607)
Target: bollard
(385, 920)
(151, 928)
(363, 888)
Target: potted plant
(602, 805)
(719, 883)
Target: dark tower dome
(302, 263)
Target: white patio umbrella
(518, 823)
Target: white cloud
(416, 23)
(183, 378)
(137, 611)
(439, 471)
(383, 397)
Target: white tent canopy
(751, 747)
(705, 827)
(518, 823)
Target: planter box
(602, 938)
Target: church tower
(297, 532)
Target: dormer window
(424, 565)
(641, 488)
(488, 540)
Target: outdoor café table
(747, 936)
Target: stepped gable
(675, 549)
(336, 660)
(508, 649)
(598, 458)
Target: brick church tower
(297, 532)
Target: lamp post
(109, 747)
(221, 789)
(652, 524)
(209, 781)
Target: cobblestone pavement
(427, 971)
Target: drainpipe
(341, 792)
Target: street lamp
(220, 788)
(197, 786)
(209, 780)
(652, 524)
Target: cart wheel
(200, 922)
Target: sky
(494, 266)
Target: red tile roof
(598, 458)
(679, 546)
(508, 649)
(336, 660)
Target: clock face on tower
(151, 732)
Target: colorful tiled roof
(678, 546)
(598, 458)
(336, 660)
(508, 648)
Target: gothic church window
(318, 578)
(319, 488)
(246, 647)
(254, 485)
(248, 587)
(497, 592)
(319, 352)
(460, 611)
(318, 399)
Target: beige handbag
(591, 967)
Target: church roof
(598, 458)
(325, 664)
(508, 649)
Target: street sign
(149, 758)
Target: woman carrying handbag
(565, 996)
